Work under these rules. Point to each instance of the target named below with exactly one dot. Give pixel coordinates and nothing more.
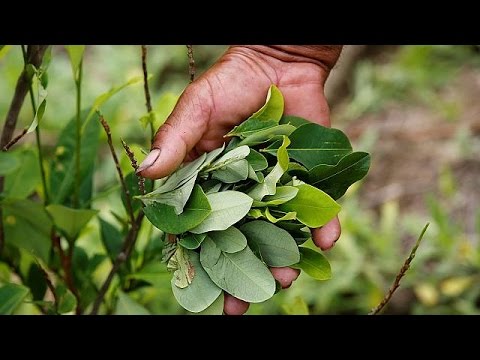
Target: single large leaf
(335, 180)
(314, 144)
(314, 208)
(28, 226)
(24, 179)
(201, 293)
(282, 195)
(71, 221)
(269, 185)
(240, 274)
(273, 108)
(196, 210)
(274, 245)
(11, 296)
(127, 306)
(228, 207)
(62, 178)
(66, 300)
(230, 240)
(314, 264)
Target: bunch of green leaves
(247, 206)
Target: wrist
(325, 56)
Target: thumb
(179, 134)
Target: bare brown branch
(133, 161)
(15, 139)
(400, 275)
(191, 62)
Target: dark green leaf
(275, 246)
(201, 293)
(335, 179)
(294, 120)
(240, 274)
(22, 182)
(257, 160)
(71, 221)
(314, 208)
(112, 239)
(62, 178)
(313, 144)
(230, 240)
(154, 273)
(9, 162)
(11, 296)
(314, 264)
(36, 282)
(66, 300)
(196, 210)
(131, 180)
(192, 241)
(28, 226)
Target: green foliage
(11, 296)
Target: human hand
(228, 93)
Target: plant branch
(34, 56)
(128, 201)
(191, 63)
(78, 143)
(49, 285)
(128, 243)
(15, 139)
(37, 135)
(133, 161)
(124, 254)
(400, 275)
(146, 89)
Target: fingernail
(149, 160)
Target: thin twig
(133, 161)
(400, 275)
(15, 139)
(119, 169)
(131, 236)
(191, 63)
(146, 89)
(35, 56)
(78, 140)
(124, 254)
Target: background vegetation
(415, 108)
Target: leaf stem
(146, 89)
